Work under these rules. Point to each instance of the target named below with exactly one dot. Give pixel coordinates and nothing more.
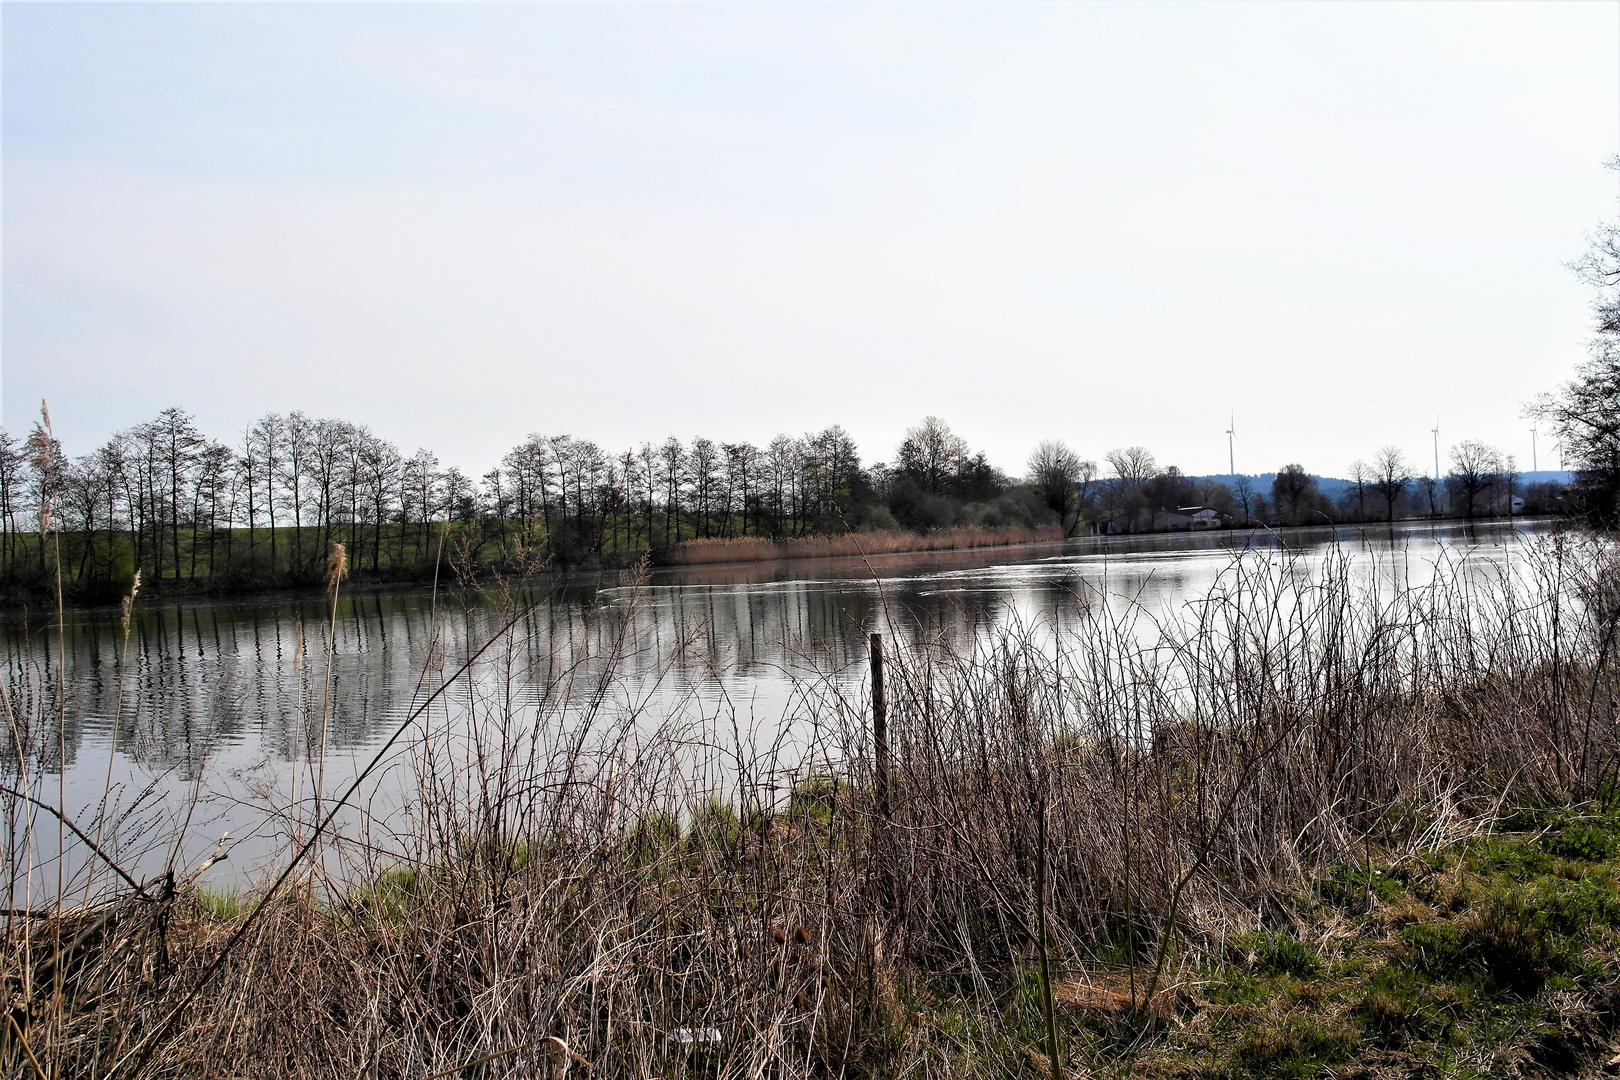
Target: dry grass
(671, 903)
(761, 549)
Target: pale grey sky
(1102, 223)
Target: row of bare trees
(1481, 481)
(1136, 494)
(164, 497)
(659, 494)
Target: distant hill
(1334, 487)
(1330, 486)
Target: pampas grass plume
(336, 566)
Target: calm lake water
(217, 704)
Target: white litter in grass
(688, 1036)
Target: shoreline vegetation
(1308, 830)
(763, 549)
(195, 516)
(712, 552)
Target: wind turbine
(1437, 448)
(1231, 455)
(1534, 464)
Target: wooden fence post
(880, 729)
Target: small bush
(816, 796)
(1236, 987)
(716, 824)
(1502, 939)
(1349, 886)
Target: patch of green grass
(1350, 885)
(1398, 1007)
(1490, 950)
(1233, 986)
(1278, 954)
(1500, 855)
(1502, 938)
(1296, 1046)
(388, 898)
(1433, 948)
(222, 905)
(715, 824)
(815, 797)
(1587, 843)
(654, 835)
(1571, 908)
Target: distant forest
(196, 514)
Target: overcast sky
(1102, 223)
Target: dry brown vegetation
(670, 903)
(762, 549)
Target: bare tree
(1431, 488)
(742, 460)
(672, 471)
(267, 442)
(210, 494)
(1509, 482)
(418, 495)
(1133, 466)
(457, 495)
(1085, 489)
(1585, 413)
(647, 484)
(1476, 468)
(1361, 475)
(1391, 475)
(12, 485)
(1585, 416)
(381, 466)
(781, 456)
(1297, 498)
(180, 441)
(295, 465)
(1055, 473)
(931, 453)
(703, 472)
(1243, 493)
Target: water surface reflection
(223, 698)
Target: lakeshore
(1318, 811)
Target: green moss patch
(1499, 956)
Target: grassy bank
(1498, 955)
(1494, 956)
(1308, 829)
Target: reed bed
(582, 887)
(891, 542)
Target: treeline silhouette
(194, 513)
